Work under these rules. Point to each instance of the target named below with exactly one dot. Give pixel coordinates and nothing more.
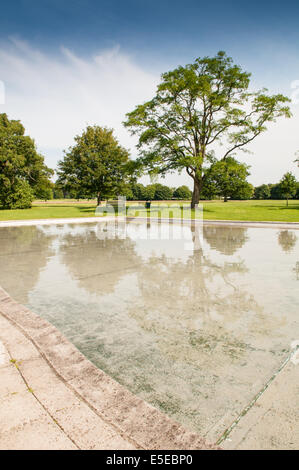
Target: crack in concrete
(244, 412)
(55, 422)
(78, 395)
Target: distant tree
(244, 191)
(182, 192)
(128, 193)
(149, 192)
(195, 108)
(143, 193)
(44, 190)
(138, 191)
(288, 186)
(162, 192)
(58, 191)
(23, 172)
(262, 192)
(228, 178)
(96, 166)
(275, 191)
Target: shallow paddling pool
(195, 326)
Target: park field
(253, 210)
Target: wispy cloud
(56, 96)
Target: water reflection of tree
(296, 270)
(186, 294)
(98, 264)
(208, 334)
(24, 253)
(189, 337)
(199, 318)
(287, 240)
(226, 240)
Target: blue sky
(87, 61)
(156, 30)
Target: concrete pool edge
(82, 220)
(233, 430)
(139, 422)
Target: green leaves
(196, 107)
(227, 178)
(22, 168)
(96, 165)
(288, 185)
(19, 196)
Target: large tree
(23, 172)
(96, 166)
(228, 179)
(196, 108)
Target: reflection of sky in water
(196, 333)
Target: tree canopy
(23, 172)
(96, 166)
(288, 186)
(162, 192)
(227, 178)
(182, 192)
(262, 192)
(196, 108)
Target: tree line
(160, 192)
(201, 115)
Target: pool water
(195, 326)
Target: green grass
(49, 211)
(252, 210)
(214, 210)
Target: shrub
(19, 196)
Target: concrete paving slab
(88, 431)
(272, 422)
(41, 434)
(18, 410)
(52, 397)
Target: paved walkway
(38, 410)
(271, 422)
(85, 220)
(52, 397)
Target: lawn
(252, 210)
(214, 210)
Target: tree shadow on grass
(88, 209)
(292, 207)
(276, 207)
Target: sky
(66, 65)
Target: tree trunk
(287, 202)
(99, 198)
(196, 193)
(225, 198)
